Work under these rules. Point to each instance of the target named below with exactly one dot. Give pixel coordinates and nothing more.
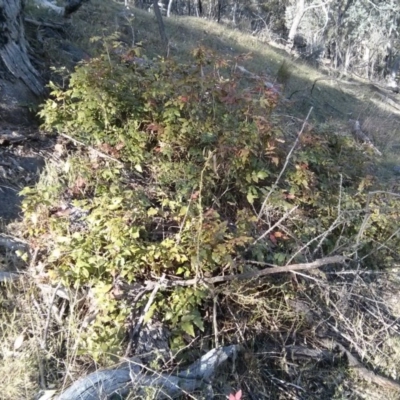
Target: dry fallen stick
(273, 86)
(289, 155)
(135, 332)
(361, 136)
(99, 153)
(250, 275)
(362, 371)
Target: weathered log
(361, 136)
(133, 376)
(21, 84)
(6, 276)
(13, 244)
(19, 80)
(70, 7)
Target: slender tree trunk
(169, 8)
(200, 7)
(161, 26)
(219, 11)
(234, 8)
(367, 55)
(347, 58)
(296, 21)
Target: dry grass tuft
(18, 347)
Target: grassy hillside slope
(154, 169)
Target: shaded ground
(22, 157)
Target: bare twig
(215, 324)
(361, 136)
(253, 274)
(285, 165)
(267, 84)
(99, 153)
(361, 370)
(275, 225)
(152, 296)
(46, 328)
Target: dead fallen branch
(71, 7)
(134, 334)
(247, 275)
(97, 152)
(361, 136)
(8, 276)
(44, 24)
(269, 85)
(388, 100)
(133, 375)
(333, 352)
(361, 370)
(12, 244)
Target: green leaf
(198, 321)
(152, 211)
(250, 197)
(188, 328)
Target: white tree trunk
(367, 55)
(169, 8)
(296, 21)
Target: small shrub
(196, 152)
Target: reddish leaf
(195, 195)
(153, 127)
(236, 396)
(120, 146)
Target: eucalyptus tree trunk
(169, 8)
(21, 85)
(300, 9)
(20, 82)
(161, 26)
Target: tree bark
(296, 21)
(169, 8)
(161, 26)
(200, 7)
(20, 82)
(219, 11)
(70, 7)
(21, 85)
